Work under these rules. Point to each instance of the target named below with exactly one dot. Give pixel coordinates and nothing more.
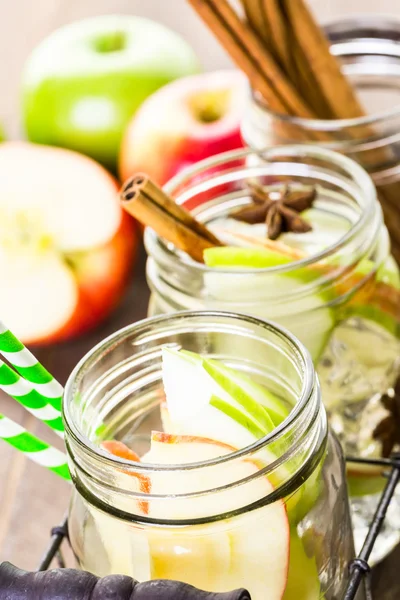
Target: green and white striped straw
(35, 388)
(33, 448)
(18, 388)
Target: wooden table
(33, 500)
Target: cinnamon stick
(266, 18)
(149, 204)
(246, 49)
(311, 42)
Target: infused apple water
(200, 452)
(331, 282)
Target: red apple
(184, 122)
(66, 248)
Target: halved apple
(250, 550)
(66, 249)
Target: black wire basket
(359, 568)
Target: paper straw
(33, 448)
(29, 368)
(38, 405)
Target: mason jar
(347, 314)
(369, 48)
(291, 539)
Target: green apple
(83, 83)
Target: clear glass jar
(347, 316)
(369, 47)
(244, 533)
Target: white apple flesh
(250, 550)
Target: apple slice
(239, 385)
(237, 257)
(144, 484)
(39, 292)
(250, 550)
(182, 372)
(279, 297)
(229, 417)
(126, 544)
(303, 580)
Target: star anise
(278, 208)
(388, 430)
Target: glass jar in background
(369, 48)
(290, 540)
(347, 315)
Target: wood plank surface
(32, 500)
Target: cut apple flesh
(40, 288)
(249, 551)
(126, 545)
(72, 197)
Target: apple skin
(184, 122)
(84, 82)
(120, 450)
(102, 276)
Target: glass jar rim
(331, 26)
(97, 453)
(379, 23)
(293, 150)
(328, 125)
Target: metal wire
(58, 535)
(359, 567)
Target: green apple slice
(246, 390)
(183, 372)
(374, 314)
(236, 257)
(303, 581)
(249, 394)
(197, 405)
(279, 297)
